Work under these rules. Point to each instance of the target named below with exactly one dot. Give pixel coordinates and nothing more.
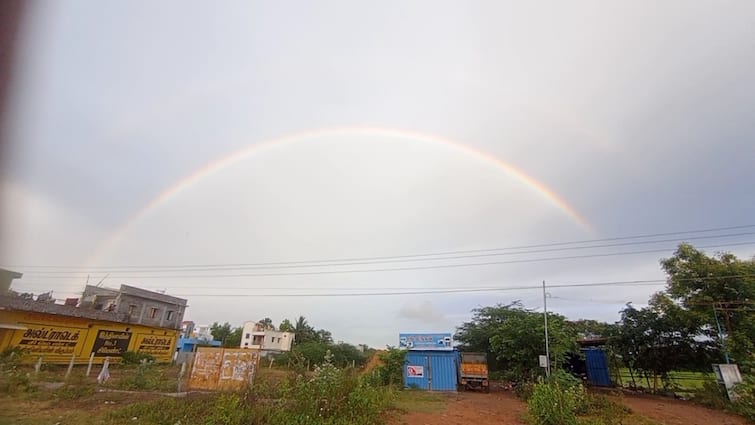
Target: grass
(420, 401)
(683, 380)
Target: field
(129, 399)
(681, 380)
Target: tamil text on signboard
(156, 345)
(425, 341)
(111, 343)
(38, 339)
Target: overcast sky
(637, 116)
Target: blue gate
(597, 367)
(431, 370)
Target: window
(131, 309)
(247, 336)
(153, 313)
(169, 315)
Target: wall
(58, 337)
(431, 370)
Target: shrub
(551, 404)
(391, 372)
(135, 357)
(12, 378)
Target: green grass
(420, 401)
(682, 380)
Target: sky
(185, 146)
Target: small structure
(223, 368)
(257, 336)
(431, 362)
(596, 362)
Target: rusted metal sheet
(223, 368)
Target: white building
(255, 336)
(202, 332)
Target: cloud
(421, 311)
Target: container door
(416, 371)
(443, 371)
(597, 368)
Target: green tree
(323, 336)
(514, 338)
(286, 326)
(303, 331)
(229, 336)
(267, 323)
(716, 290)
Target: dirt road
(677, 412)
(464, 408)
(502, 407)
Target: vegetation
(12, 378)
(513, 338)
(229, 336)
(135, 357)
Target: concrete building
(135, 305)
(6, 277)
(202, 332)
(187, 329)
(256, 336)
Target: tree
(304, 332)
(514, 338)
(267, 323)
(658, 339)
(286, 326)
(324, 336)
(716, 291)
(229, 337)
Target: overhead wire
(435, 266)
(400, 260)
(397, 258)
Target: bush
(135, 357)
(551, 404)
(391, 372)
(12, 378)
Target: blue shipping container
(597, 367)
(431, 370)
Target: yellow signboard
(48, 339)
(223, 368)
(156, 345)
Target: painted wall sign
(428, 341)
(156, 345)
(49, 339)
(415, 371)
(111, 343)
(223, 368)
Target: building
(103, 325)
(136, 305)
(256, 336)
(431, 362)
(6, 278)
(202, 332)
(187, 329)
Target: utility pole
(545, 318)
(721, 335)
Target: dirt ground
(503, 407)
(465, 408)
(677, 412)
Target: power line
(482, 285)
(429, 292)
(316, 261)
(201, 268)
(437, 266)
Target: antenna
(101, 280)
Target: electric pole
(545, 318)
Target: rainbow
(243, 153)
